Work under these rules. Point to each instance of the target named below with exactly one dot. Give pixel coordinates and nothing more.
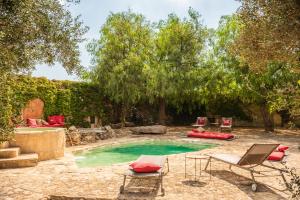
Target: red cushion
(56, 119)
(276, 156)
(31, 122)
(201, 121)
(142, 167)
(210, 135)
(60, 119)
(282, 148)
(51, 120)
(226, 122)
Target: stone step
(23, 160)
(9, 152)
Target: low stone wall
(48, 143)
(55, 197)
(90, 135)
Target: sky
(94, 13)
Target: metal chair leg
(122, 187)
(254, 184)
(208, 162)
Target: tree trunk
(123, 115)
(162, 112)
(268, 118)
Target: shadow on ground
(244, 184)
(147, 189)
(195, 183)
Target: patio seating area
(62, 179)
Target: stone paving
(62, 178)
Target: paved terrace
(63, 178)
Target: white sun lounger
(254, 157)
(158, 160)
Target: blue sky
(94, 12)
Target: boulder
(73, 138)
(116, 126)
(156, 129)
(72, 128)
(110, 131)
(88, 137)
(129, 124)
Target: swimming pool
(104, 156)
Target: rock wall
(90, 135)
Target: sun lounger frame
(159, 174)
(251, 167)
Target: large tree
(270, 32)
(120, 56)
(175, 62)
(33, 32)
(259, 88)
(36, 31)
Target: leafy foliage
(120, 56)
(247, 85)
(270, 32)
(32, 32)
(176, 59)
(75, 100)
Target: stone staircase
(11, 157)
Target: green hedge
(74, 100)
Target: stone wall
(82, 136)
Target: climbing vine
(74, 100)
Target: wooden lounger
(158, 160)
(255, 156)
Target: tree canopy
(178, 46)
(33, 32)
(120, 55)
(270, 32)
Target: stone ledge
(58, 197)
(23, 160)
(9, 152)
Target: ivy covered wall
(74, 100)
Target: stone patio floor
(63, 178)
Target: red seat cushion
(210, 135)
(282, 148)
(142, 167)
(276, 156)
(201, 121)
(51, 120)
(56, 119)
(31, 122)
(226, 122)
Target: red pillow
(60, 119)
(226, 122)
(143, 167)
(276, 156)
(282, 148)
(31, 122)
(201, 121)
(51, 120)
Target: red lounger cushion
(141, 167)
(282, 148)
(226, 122)
(210, 135)
(276, 156)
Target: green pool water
(131, 151)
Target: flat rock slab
(156, 129)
